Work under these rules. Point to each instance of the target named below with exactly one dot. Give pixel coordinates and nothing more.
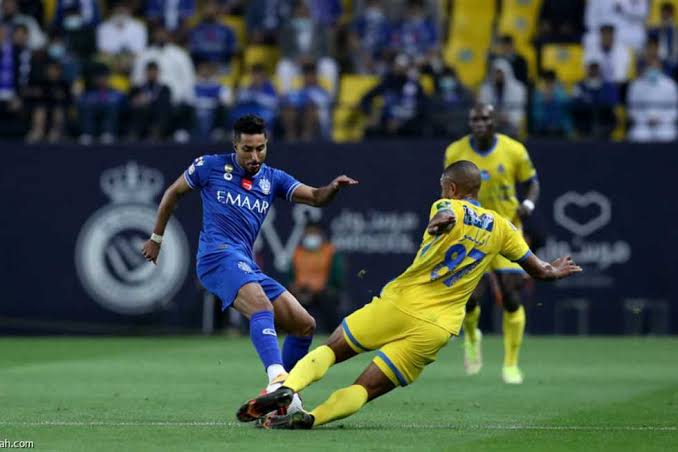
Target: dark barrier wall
(74, 219)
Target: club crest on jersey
(200, 161)
(228, 168)
(244, 266)
(265, 185)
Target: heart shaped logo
(565, 205)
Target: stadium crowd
(153, 70)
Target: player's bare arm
(319, 197)
(532, 191)
(167, 205)
(558, 269)
(441, 222)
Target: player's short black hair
(249, 125)
(465, 174)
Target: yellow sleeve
(449, 155)
(441, 204)
(525, 169)
(514, 247)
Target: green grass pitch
(181, 393)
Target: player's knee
(306, 326)
(512, 301)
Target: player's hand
(565, 266)
(441, 223)
(151, 251)
(343, 181)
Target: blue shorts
(224, 273)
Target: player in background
(504, 163)
(415, 314)
(237, 191)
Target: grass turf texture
(147, 394)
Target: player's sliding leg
(308, 370)
(473, 356)
(513, 324)
(371, 384)
(291, 316)
(254, 305)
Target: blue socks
(295, 348)
(264, 338)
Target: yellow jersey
(448, 267)
(504, 165)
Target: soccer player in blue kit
(237, 191)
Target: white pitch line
(595, 428)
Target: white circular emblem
(110, 265)
(265, 186)
(228, 176)
(244, 266)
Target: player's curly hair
(250, 125)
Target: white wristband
(529, 205)
(156, 238)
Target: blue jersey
(234, 204)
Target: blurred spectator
(627, 17)
(22, 56)
(150, 107)
(121, 33)
(653, 105)
(302, 41)
(10, 102)
(561, 21)
(176, 67)
(593, 102)
(264, 19)
(317, 277)
(12, 15)
(77, 20)
(49, 98)
(306, 112)
(32, 8)
(416, 35)
(258, 98)
(651, 52)
(506, 50)
(99, 109)
(170, 14)
(550, 107)
(369, 39)
(507, 94)
(666, 35)
(59, 51)
(405, 105)
(450, 103)
(210, 103)
(211, 40)
(614, 57)
(325, 12)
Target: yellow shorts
(406, 344)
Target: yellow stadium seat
(530, 55)
(566, 60)
(120, 82)
(352, 88)
(260, 54)
(619, 132)
(49, 8)
(469, 62)
(655, 9)
(233, 75)
(471, 21)
(348, 124)
(427, 84)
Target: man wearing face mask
(121, 33)
(316, 276)
(652, 105)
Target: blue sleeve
(285, 185)
(197, 174)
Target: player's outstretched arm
(558, 269)
(441, 222)
(167, 205)
(319, 197)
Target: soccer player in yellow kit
(416, 313)
(503, 163)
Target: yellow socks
(342, 403)
(310, 368)
(471, 323)
(514, 327)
